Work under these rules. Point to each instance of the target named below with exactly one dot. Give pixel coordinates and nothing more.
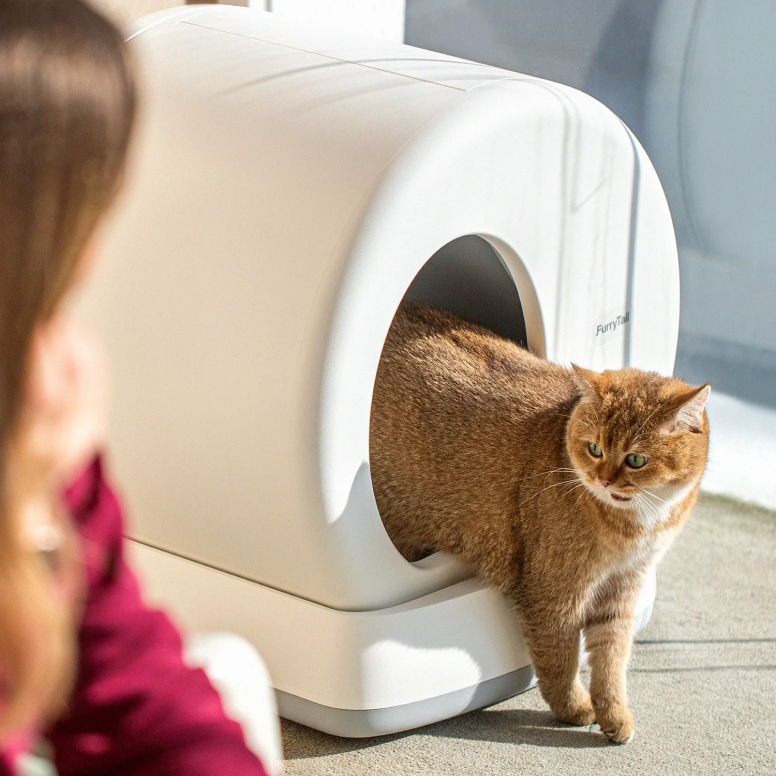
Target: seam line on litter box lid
(221, 570)
(299, 597)
(324, 56)
(183, 13)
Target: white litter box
(288, 188)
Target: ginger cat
(559, 487)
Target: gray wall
(696, 82)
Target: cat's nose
(606, 483)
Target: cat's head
(638, 441)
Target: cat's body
(480, 449)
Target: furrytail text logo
(611, 328)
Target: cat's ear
(685, 412)
(587, 382)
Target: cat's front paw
(576, 709)
(616, 724)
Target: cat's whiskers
(556, 485)
(571, 417)
(654, 495)
(643, 504)
(660, 512)
(675, 497)
(574, 485)
(692, 526)
(572, 489)
(649, 510)
(546, 474)
(550, 487)
(642, 507)
(640, 501)
(571, 486)
(579, 497)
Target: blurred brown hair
(67, 102)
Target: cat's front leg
(608, 633)
(554, 648)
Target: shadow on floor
(301, 742)
(526, 727)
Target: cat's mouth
(606, 496)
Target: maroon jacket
(136, 708)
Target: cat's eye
(636, 461)
(595, 450)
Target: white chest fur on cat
(289, 187)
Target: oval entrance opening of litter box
(468, 278)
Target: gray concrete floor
(702, 683)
